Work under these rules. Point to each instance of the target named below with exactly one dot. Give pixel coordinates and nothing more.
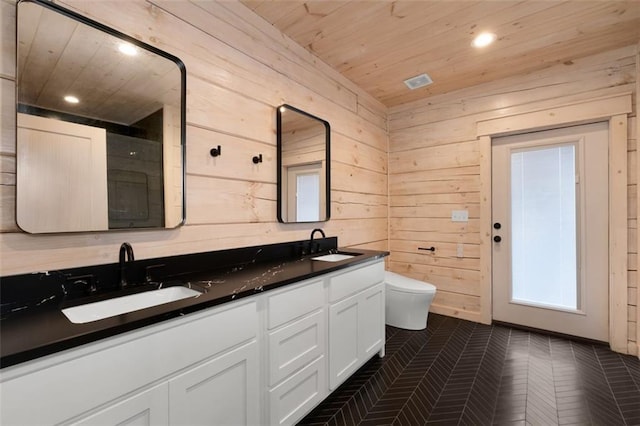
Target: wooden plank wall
(632, 208)
(634, 303)
(239, 69)
(434, 168)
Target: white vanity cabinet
(356, 320)
(296, 340)
(267, 359)
(222, 391)
(122, 379)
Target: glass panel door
(308, 197)
(544, 224)
(305, 199)
(550, 230)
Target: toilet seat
(407, 285)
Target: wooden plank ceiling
(59, 56)
(379, 43)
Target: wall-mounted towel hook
(216, 151)
(257, 159)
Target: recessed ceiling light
(71, 99)
(418, 81)
(128, 49)
(483, 39)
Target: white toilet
(407, 301)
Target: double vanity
(254, 335)
(258, 335)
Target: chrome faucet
(125, 251)
(311, 239)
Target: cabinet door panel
(297, 395)
(148, 408)
(371, 321)
(223, 391)
(343, 340)
(294, 346)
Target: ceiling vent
(418, 81)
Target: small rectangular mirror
(303, 166)
(100, 126)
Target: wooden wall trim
(486, 297)
(637, 199)
(561, 115)
(615, 109)
(618, 244)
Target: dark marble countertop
(43, 329)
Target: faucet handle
(148, 278)
(79, 284)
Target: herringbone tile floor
(461, 373)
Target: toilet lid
(406, 284)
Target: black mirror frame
(134, 41)
(327, 127)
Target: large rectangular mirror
(100, 126)
(303, 166)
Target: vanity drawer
(292, 303)
(295, 345)
(352, 282)
(296, 396)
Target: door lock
(497, 238)
(497, 225)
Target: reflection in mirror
(303, 166)
(100, 126)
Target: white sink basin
(121, 305)
(333, 257)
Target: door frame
(614, 109)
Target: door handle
(497, 238)
(427, 248)
(497, 225)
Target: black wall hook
(257, 159)
(216, 151)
